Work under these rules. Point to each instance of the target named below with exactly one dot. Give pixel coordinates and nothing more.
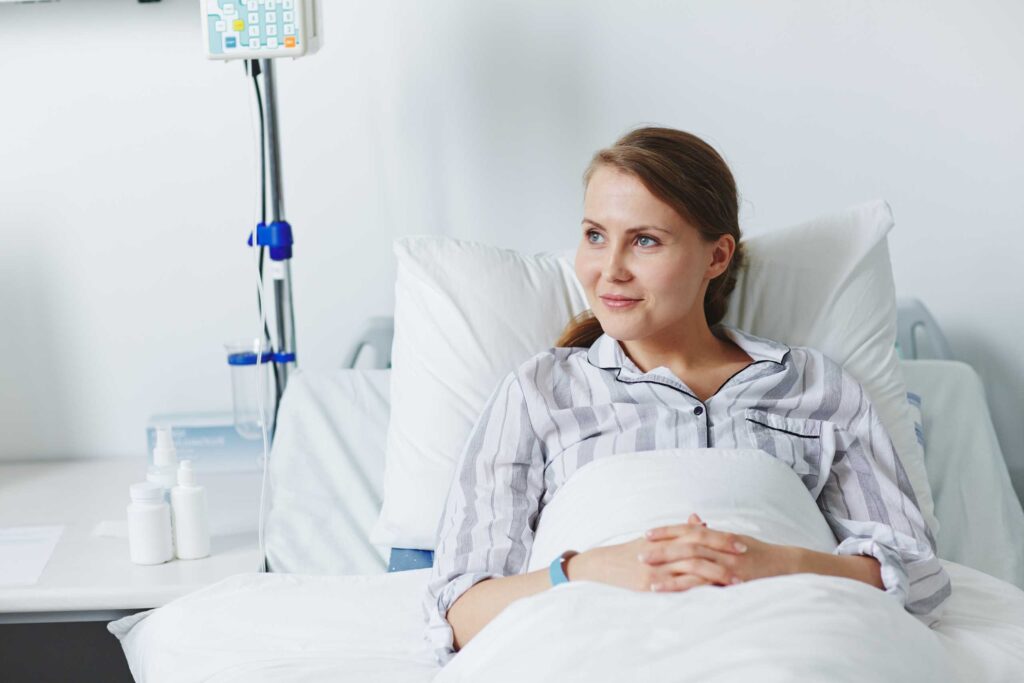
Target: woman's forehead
(618, 200)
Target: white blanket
(804, 627)
(796, 628)
(369, 629)
(284, 627)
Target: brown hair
(686, 173)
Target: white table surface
(91, 577)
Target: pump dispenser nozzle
(164, 453)
(186, 475)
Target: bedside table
(90, 577)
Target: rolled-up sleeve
(490, 514)
(870, 505)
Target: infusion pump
(260, 29)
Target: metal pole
(280, 271)
(275, 195)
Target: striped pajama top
(566, 407)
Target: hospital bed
(337, 607)
(330, 610)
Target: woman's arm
(871, 507)
(615, 565)
(858, 567)
(486, 530)
(485, 600)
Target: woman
(651, 366)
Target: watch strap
(557, 568)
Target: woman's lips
(619, 303)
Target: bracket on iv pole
(278, 238)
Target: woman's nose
(615, 268)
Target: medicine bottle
(164, 469)
(149, 525)
(191, 527)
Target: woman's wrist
(799, 562)
(572, 567)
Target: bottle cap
(186, 475)
(146, 492)
(164, 453)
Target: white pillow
(326, 480)
(828, 284)
(467, 314)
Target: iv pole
(278, 237)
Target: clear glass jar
(242, 359)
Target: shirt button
(698, 410)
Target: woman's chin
(616, 330)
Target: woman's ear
(721, 256)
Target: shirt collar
(607, 353)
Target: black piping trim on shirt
(780, 429)
(763, 360)
(667, 383)
(781, 361)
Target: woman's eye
(651, 240)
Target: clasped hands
(684, 556)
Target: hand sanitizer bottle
(165, 462)
(191, 526)
(163, 471)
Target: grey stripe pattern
(567, 407)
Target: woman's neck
(684, 351)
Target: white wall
(127, 170)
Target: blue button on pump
(230, 41)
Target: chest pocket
(794, 441)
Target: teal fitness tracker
(557, 568)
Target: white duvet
(278, 627)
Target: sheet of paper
(24, 552)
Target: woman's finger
(671, 552)
(719, 540)
(678, 583)
(670, 531)
(712, 571)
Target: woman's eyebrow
(639, 228)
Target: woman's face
(636, 246)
